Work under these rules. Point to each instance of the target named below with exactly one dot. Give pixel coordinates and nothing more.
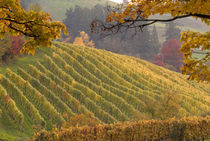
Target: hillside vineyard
(74, 79)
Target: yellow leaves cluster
(1, 76)
(151, 7)
(175, 8)
(129, 11)
(37, 26)
(196, 68)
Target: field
(71, 80)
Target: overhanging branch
(139, 22)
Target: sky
(119, 1)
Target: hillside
(75, 79)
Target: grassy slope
(24, 61)
(9, 133)
(7, 130)
(195, 96)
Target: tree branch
(139, 22)
(27, 24)
(20, 31)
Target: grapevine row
(191, 128)
(104, 60)
(89, 104)
(86, 50)
(9, 106)
(105, 105)
(121, 103)
(139, 105)
(20, 99)
(130, 95)
(94, 68)
(51, 97)
(106, 70)
(47, 79)
(91, 66)
(39, 100)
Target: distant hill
(73, 79)
(57, 8)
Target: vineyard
(79, 80)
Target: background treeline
(142, 44)
(57, 8)
(145, 44)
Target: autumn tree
(170, 56)
(171, 53)
(37, 26)
(136, 15)
(83, 40)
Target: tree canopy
(36, 26)
(136, 15)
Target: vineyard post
(110, 137)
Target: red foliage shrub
(159, 60)
(170, 54)
(66, 93)
(55, 86)
(7, 98)
(17, 43)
